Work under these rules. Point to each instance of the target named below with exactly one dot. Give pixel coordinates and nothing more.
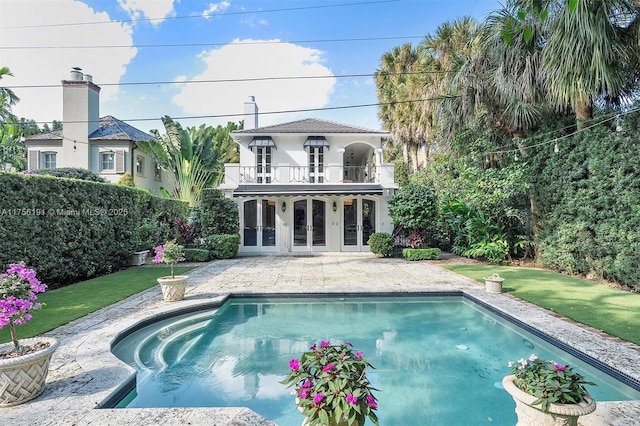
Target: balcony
(235, 174)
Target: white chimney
(80, 113)
(250, 113)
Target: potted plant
(173, 286)
(23, 364)
(331, 386)
(547, 393)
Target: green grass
(614, 311)
(69, 303)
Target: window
(157, 172)
(316, 164)
(49, 159)
(263, 164)
(140, 165)
(107, 161)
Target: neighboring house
(309, 185)
(106, 145)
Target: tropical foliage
(521, 123)
(194, 157)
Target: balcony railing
(285, 174)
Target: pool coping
(84, 373)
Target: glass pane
(319, 230)
(300, 223)
(368, 220)
(250, 223)
(350, 222)
(268, 223)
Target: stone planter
(138, 258)
(23, 378)
(173, 288)
(493, 284)
(557, 415)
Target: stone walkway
(84, 373)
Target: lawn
(616, 312)
(66, 304)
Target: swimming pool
(431, 354)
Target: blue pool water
(438, 360)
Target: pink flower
(352, 399)
(304, 393)
(324, 343)
(533, 357)
(294, 364)
(328, 368)
(371, 401)
(306, 384)
(358, 354)
(559, 367)
(313, 347)
(318, 398)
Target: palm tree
(589, 54)
(396, 88)
(7, 98)
(13, 151)
(194, 157)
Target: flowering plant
(549, 382)
(18, 288)
(169, 253)
(331, 385)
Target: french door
(309, 225)
(358, 223)
(259, 225)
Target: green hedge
(216, 214)
(224, 246)
(587, 194)
(421, 254)
(196, 255)
(70, 230)
(381, 243)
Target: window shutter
(119, 161)
(34, 159)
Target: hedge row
(70, 230)
(421, 254)
(587, 194)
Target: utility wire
(203, 16)
(241, 114)
(229, 80)
(211, 44)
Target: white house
(104, 145)
(309, 185)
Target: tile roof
(113, 129)
(56, 134)
(310, 126)
(110, 129)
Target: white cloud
(49, 65)
(216, 8)
(250, 59)
(156, 10)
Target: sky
(199, 61)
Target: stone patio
(84, 373)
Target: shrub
(70, 173)
(222, 246)
(216, 214)
(126, 180)
(421, 254)
(196, 255)
(381, 243)
(187, 233)
(414, 207)
(70, 230)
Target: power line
(202, 16)
(211, 44)
(227, 80)
(241, 114)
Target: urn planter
(138, 258)
(557, 415)
(173, 288)
(493, 284)
(23, 378)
